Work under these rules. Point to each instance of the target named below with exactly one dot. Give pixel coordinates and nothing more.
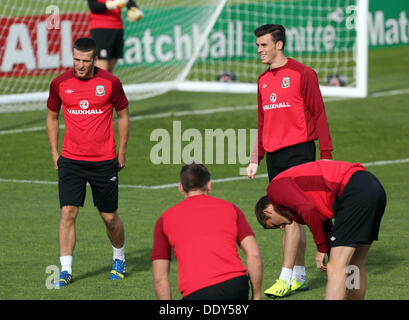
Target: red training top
(290, 110)
(88, 109)
(308, 192)
(203, 232)
(108, 19)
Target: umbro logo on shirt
(69, 91)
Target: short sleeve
(118, 98)
(54, 100)
(243, 227)
(161, 247)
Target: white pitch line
(148, 116)
(206, 111)
(174, 185)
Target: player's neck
(196, 193)
(280, 61)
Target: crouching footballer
(314, 193)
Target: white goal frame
(361, 68)
(180, 84)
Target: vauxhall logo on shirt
(273, 105)
(84, 104)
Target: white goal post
(185, 45)
(342, 24)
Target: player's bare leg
(111, 65)
(106, 64)
(102, 64)
(115, 232)
(300, 257)
(359, 259)
(291, 242)
(336, 272)
(66, 230)
(115, 228)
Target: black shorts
(288, 157)
(234, 289)
(358, 211)
(102, 176)
(110, 43)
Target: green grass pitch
(365, 130)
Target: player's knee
(69, 213)
(110, 219)
(335, 268)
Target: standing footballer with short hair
(87, 96)
(291, 115)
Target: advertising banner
(32, 45)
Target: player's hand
(121, 162)
(252, 170)
(112, 5)
(134, 14)
(320, 260)
(54, 158)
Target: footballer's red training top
(203, 232)
(308, 192)
(106, 19)
(290, 110)
(88, 109)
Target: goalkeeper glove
(112, 5)
(134, 14)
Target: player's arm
(258, 152)
(254, 264)
(123, 134)
(52, 125)
(160, 270)
(248, 243)
(313, 100)
(53, 110)
(161, 254)
(287, 194)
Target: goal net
(330, 36)
(196, 45)
(36, 38)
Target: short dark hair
(259, 208)
(85, 44)
(194, 176)
(277, 32)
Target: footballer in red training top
(88, 96)
(88, 108)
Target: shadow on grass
(382, 260)
(136, 261)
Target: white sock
(286, 275)
(119, 253)
(66, 264)
(299, 273)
